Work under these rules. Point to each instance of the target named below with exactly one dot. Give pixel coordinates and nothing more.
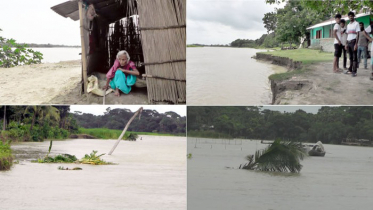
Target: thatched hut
(152, 31)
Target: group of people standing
(353, 39)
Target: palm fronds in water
(280, 156)
(94, 159)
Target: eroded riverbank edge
(316, 84)
(278, 87)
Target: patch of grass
(105, 133)
(6, 157)
(306, 56)
(370, 91)
(288, 75)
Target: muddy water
(341, 180)
(151, 174)
(228, 76)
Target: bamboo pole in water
(84, 56)
(124, 130)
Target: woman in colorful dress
(122, 75)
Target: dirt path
(37, 84)
(328, 88)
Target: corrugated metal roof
(332, 21)
(68, 9)
(112, 10)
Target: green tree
(14, 54)
(270, 21)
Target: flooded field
(150, 174)
(340, 180)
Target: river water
(228, 76)
(57, 54)
(341, 180)
(151, 174)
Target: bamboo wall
(163, 33)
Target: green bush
(14, 54)
(6, 157)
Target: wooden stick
(156, 77)
(162, 62)
(161, 27)
(124, 130)
(84, 56)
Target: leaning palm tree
(280, 156)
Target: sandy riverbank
(39, 83)
(321, 86)
(55, 83)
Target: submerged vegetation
(280, 156)
(62, 158)
(91, 158)
(94, 159)
(6, 157)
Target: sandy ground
(329, 88)
(55, 83)
(39, 83)
(138, 95)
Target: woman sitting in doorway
(122, 75)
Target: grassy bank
(6, 158)
(306, 56)
(105, 133)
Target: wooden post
(84, 55)
(4, 123)
(124, 130)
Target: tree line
(36, 123)
(150, 121)
(329, 125)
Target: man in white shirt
(352, 36)
(344, 43)
(337, 43)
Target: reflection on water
(228, 76)
(340, 180)
(151, 174)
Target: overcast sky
(223, 21)
(29, 21)
(100, 109)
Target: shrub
(6, 157)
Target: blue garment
(122, 82)
(362, 50)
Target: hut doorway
(152, 32)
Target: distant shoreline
(50, 46)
